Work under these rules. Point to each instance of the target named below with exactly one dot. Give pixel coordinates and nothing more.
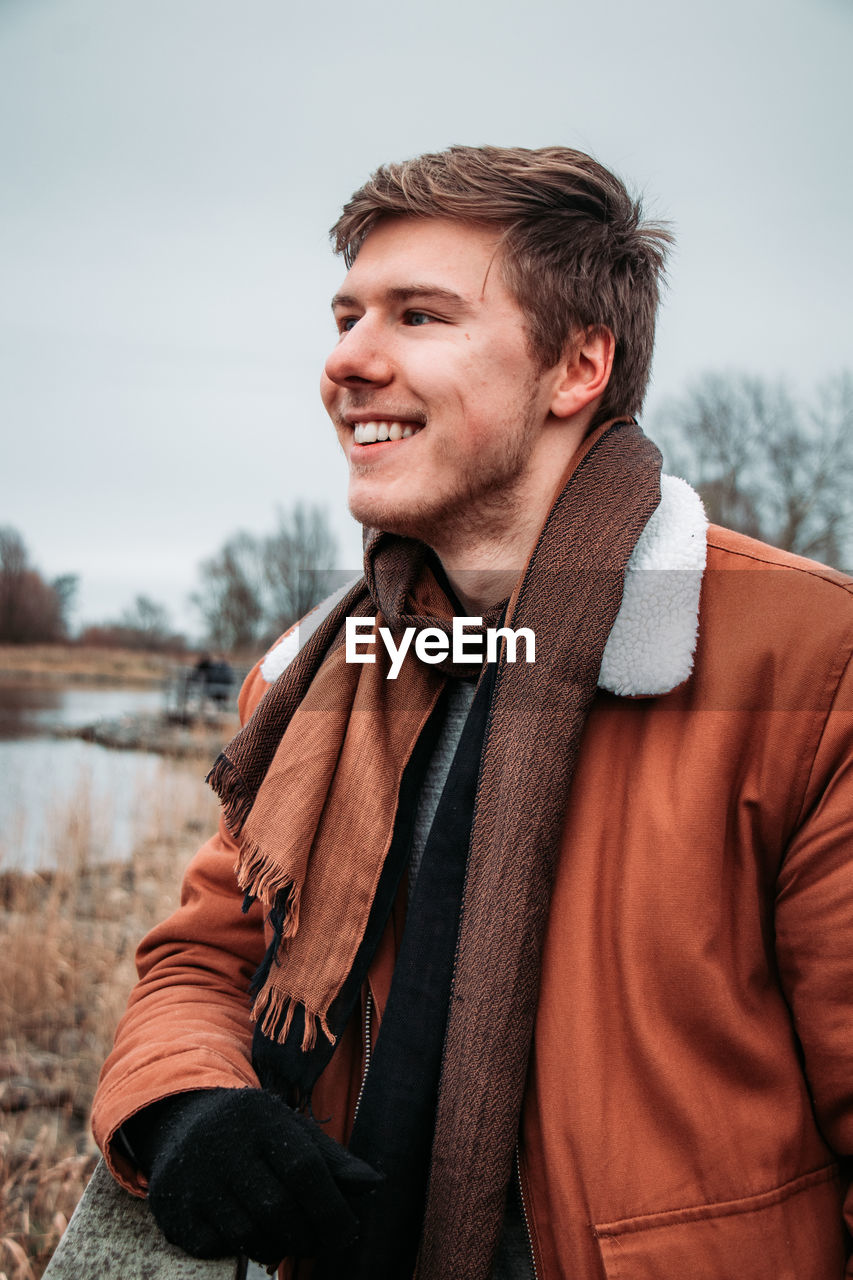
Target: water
(27, 710)
(59, 794)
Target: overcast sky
(169, 171)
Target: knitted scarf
(310, 789)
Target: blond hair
(574, 250)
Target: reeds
(66, 967)
(85, 664)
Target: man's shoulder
(729, 550)
(784, 620)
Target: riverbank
(87, 665)
(184, 722)
(110, 832)
(203, 739)
(66, 967)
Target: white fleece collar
(650, 649)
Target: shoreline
(159, 733)
(86, 665)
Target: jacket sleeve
(814, 929)
(187, 1023)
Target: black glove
(238, 1171)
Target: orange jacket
(690, 1091)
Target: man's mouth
(377, 431)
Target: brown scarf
(310, 785)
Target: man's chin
(400, 518)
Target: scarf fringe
(227, 781)
(274, 1012)
(260, 878)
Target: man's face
(433, 353)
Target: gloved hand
(238, 1171)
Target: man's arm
(814, 929)
(179, 1111)
(187, 1023)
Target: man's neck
(479, 589)
(484, 557)
(482, 569)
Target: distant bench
(193, 690)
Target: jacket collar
(651, 646)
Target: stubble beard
(487, 493)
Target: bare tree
(144, 625)
(66, 586)
(31, 608)
(766, 464)
(14, 566)
(296, 560)
(230, 596)
(253, 588)
(147, 624)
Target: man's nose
(360, 356)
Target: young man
(596, 890)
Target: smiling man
(453, 430)
(504, 969)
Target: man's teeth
(371, 432)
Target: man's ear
(584, 371)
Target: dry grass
(85, 665)
(67, 965)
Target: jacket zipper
(524, 1211)
(368, 1018)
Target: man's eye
(346, 323)
(418, 318)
